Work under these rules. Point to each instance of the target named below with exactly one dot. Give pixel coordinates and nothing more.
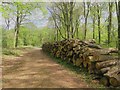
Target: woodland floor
(34, 69)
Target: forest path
(36, 70)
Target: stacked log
(88, 54)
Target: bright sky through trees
(37, 18)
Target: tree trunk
(94, 26)
(16, 36)
(85, 19)
(110, 22)
(85, 28)
(17, 28)
(86, 16)
(67, 19)
(71, 19)
(99, 33)
(76, 26)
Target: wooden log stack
(97, 60)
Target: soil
(34, 69)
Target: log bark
(105, 58)
(103, 70)
(104, 64)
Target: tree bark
(99, 33)
(94, 26)
(17, 36)
(71, 19)
(17, 28)
(110, 22)
(86, 16)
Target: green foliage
(37, 36)
(7, 38)
(11, 52)
(27, 37)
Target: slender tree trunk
(110, 22)
(57, 34)
(86, 16)
(94, 25)
(76, 27)
(99, 33)
(17, 27)
(17, 36)
(71, 19)
(85, 28)
(17, 31)
(66, 17)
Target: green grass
(13, 52)
(77, 70)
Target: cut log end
(105, 81)
(114, 82)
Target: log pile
(97, 60)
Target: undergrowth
(14, 52)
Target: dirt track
(36, 70)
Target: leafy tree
(19, 10)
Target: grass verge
(13, 52)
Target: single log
(103, 51)
(105, 58)
(104, 64)
(94, 46)
(103, 71)
(113, 50)
(115, 80)
(108, 51)
(96, 55)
